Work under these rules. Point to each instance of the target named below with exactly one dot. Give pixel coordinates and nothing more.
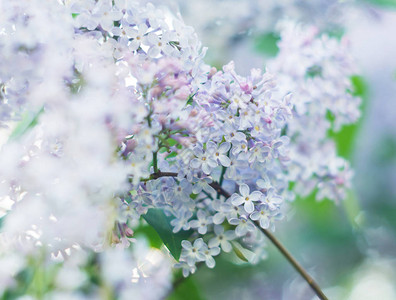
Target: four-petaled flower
(222, 238)
(246, 198)
(204, 159)
(243, 225)
(202, 223)
(193, 253)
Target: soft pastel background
(350, 248)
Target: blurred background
(350, 248)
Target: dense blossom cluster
(317, 70)
(129, 118)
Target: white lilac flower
(262, 215)
(237, 163)
(239, 147)
(231, 133)
(222, 238)
(271, 200)
(193, 253)
(138, 36)
(220, 154)
(266, 217)
(246, 198)
(264, 183)
(239, 102)
(202, 223)
(258, 153)
(186, 268)
(204, 160)
(222, 211)
(235, 212)
(181, 190)
(209, 253)
(159, 45)
(181, 221)
(203, 185)
(243, 225)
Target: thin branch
(294, 263)
(155, 162)
(315, 287)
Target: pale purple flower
(181, 221)
(202, 223)
(203, 185)
(204, 160)
(193, 253)
(186, 268)
(243, 225)
(222, 238)
(271, 200)
(209, 253)
(220, 154)
(159, 44)
(138, 37)
(246, 198)
(222, 211)
(266, 217)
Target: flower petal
(248, 206)
(244, 190)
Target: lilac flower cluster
(237, 143)
(318, 70)
(132, 119)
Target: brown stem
(294, 263)
(315, 287)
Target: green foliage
(171, 155)
(187, 290)
(238, 252)
(23, 281)
(148, 232)
(385, 3)
(161, 223)
(267, 44)
(28, 121)
(386, 150)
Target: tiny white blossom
(246, 198)
(243, 225)
(193, 253)
(202, 223)
(222, 238)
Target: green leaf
(28, 121)
(171, 142)
(187, 290)
(148, 232)
(239, 252)
(161, 223)
(267, 44)
(171, 155)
